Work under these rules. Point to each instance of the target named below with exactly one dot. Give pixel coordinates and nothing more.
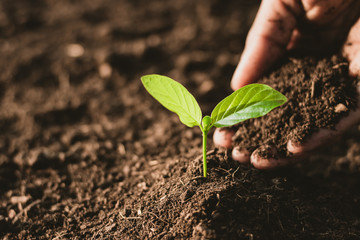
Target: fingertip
(223, 137)
(266, 42)
(316, 140)
(241, 155)
(268, 161)
(235, 83)
(240, 77)
(262, 163)
(324, 136)
(354, 67)
(294, 147)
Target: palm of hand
(307, 26)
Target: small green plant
(251, 101)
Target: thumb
(267, 40)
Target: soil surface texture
(320, 93)
(87, 153)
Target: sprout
(250, 101)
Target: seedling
(251, 101)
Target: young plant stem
(204, 153)
(226, 113)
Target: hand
(283, 26)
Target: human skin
(282, 27)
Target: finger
(223, 137)
(241, 155)
(316, 140)
(324, 26)
(354, 67)
(267, 40)
(321, 12)
(325, 135)
(263, 163)
(351, 49)
(266, 158)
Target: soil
(320, 93)
(86, 153)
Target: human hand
(307, 26)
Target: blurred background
(74, 117)
(66, 64)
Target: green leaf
(250, 101)
(174, 97)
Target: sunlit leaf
(174, 97)
(251, 101)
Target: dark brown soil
(319, 91)
(86, 153)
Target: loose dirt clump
(319, 92)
